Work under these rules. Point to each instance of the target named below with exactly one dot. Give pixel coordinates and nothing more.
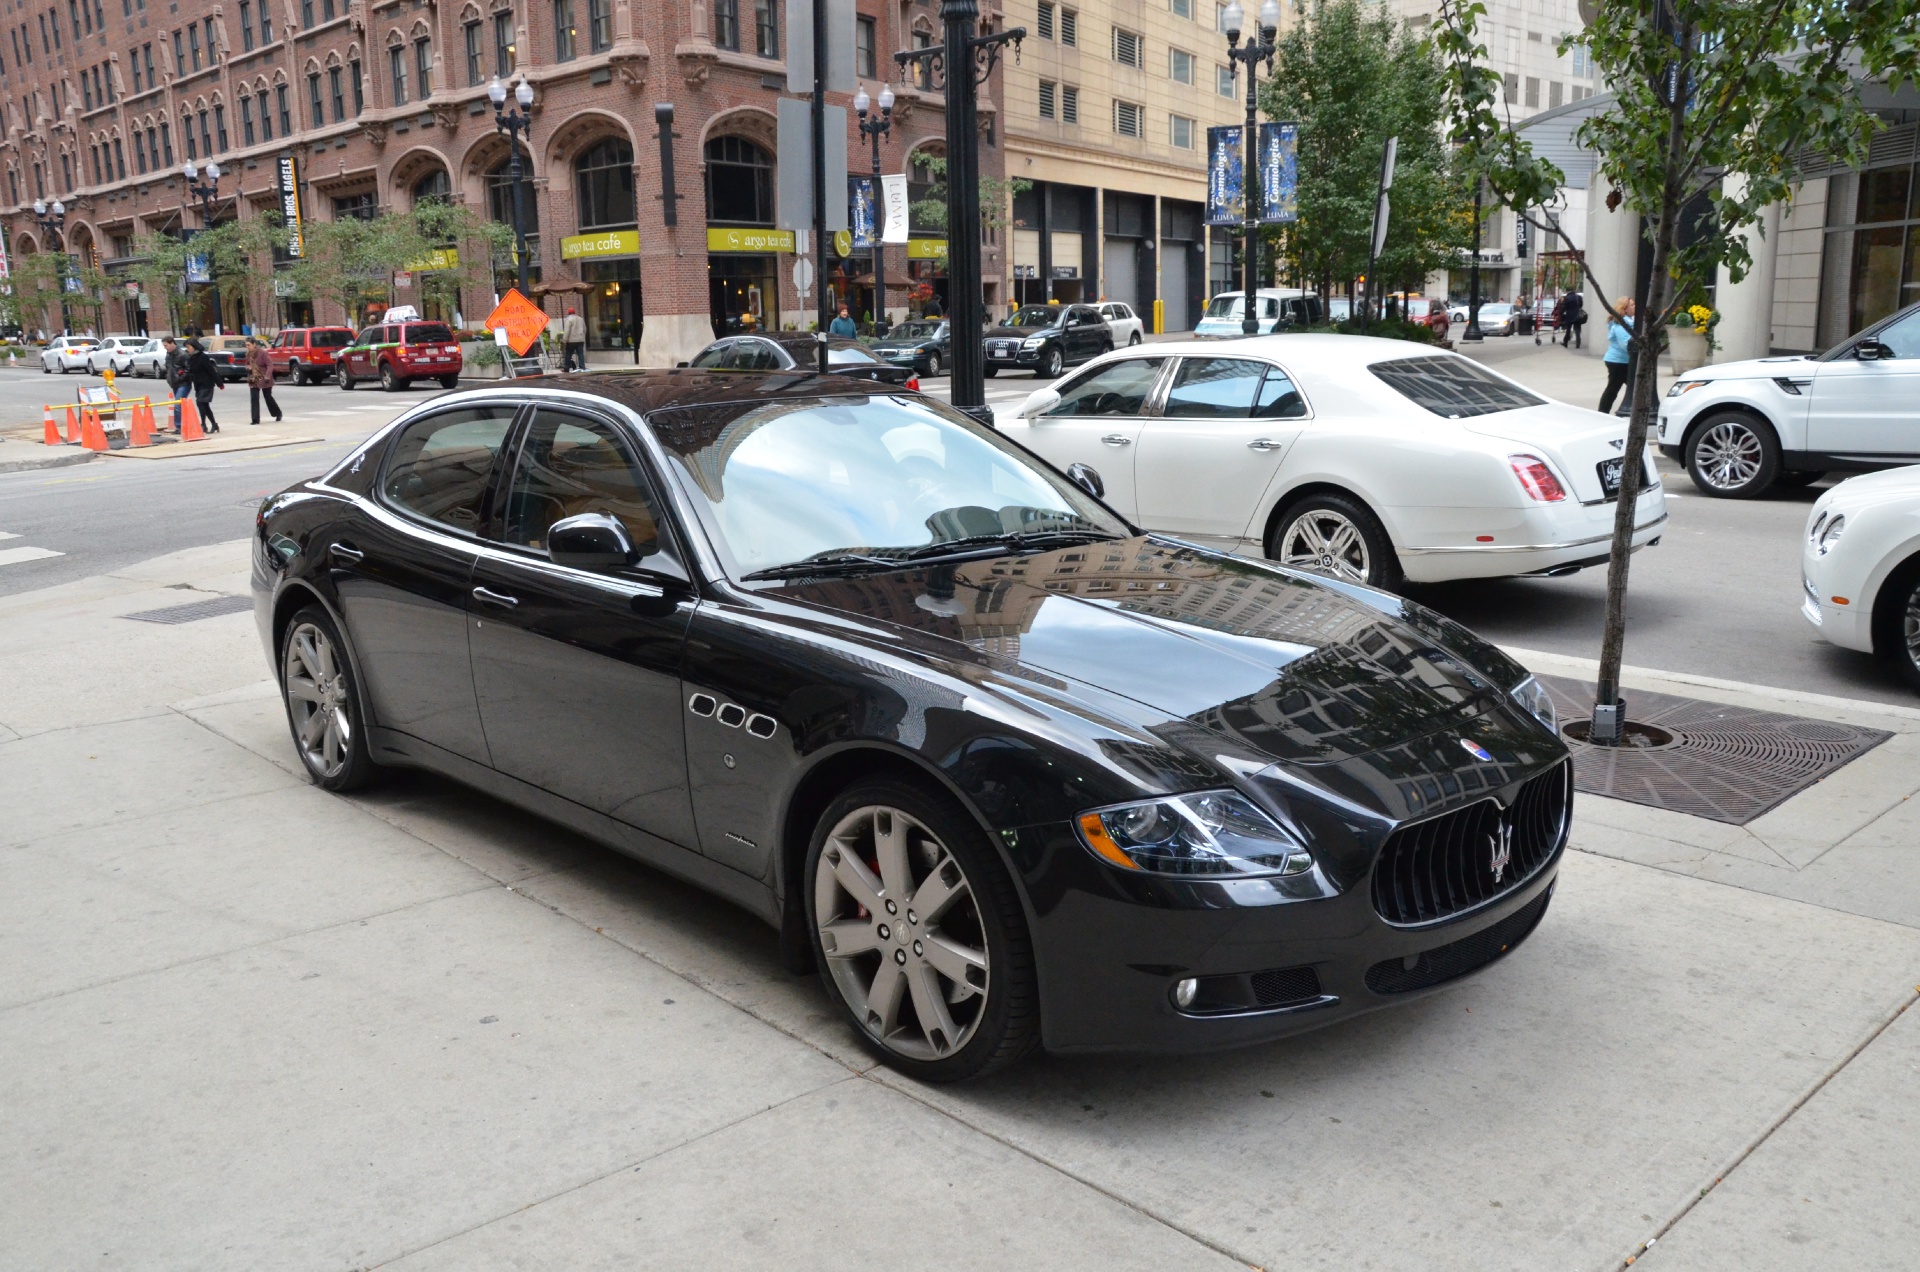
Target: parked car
(397, 354)
(1860, 567)
(1324, 452)
(1497, 318)
(1125, 326)
(148, 361)
(1046, 339)
(924, 344)
(116, 352)
(1741, 428)
(799, 351)
(1277, 308)
(1008, 772)
(308, 354)
(66, 353)
(229, 354)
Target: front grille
(1436, 967)
(1446, 864)
(1255, 991)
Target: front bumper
(1019, 357)
(1822, 584)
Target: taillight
(1536, 478)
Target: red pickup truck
(307, 353)
(398, 353)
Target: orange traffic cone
(140, 430)
(73, 425)
(190, 430)
(53, 437)
(92, 436)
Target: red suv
(307, 353)
(398, 353)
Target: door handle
(345, 552)
(1262, 444)
(498, 600)
(1117, 439)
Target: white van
(1276, 307)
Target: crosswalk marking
(5, 535)
(13, 556)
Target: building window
(318, 113)
(1126, 47)
(503, 47)
(285, 100)
(1069, 104)
(139, 152)
(726, 23)
(356, 207)
(306, 13)
(1556, 91)
(1533, 91)
(476, 61)
(423, 65)
(397, 72)
(1510, 85)
(603, 185)
(266, 117)
(1223, 80)
(336, 90)
(563, 30)
(1582, 61)
(1048, 96)
(266, 22)
(246, 26)
(186, 135)
(326, 10)
(1043, 21)
(193, 45)
(220, 126)
(1182, 8)
(739, 183)
(359, 86)
(246, 125)
(1069, 26)
(600, 25)
(213, 49)
(1127, 119)
(146, 51)
(135, 60)
(166, 143)
(865, 48)
(119, 159)
(1180, 132)
(1180, 66)
(432, 188)
(206, 135)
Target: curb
(61, 459)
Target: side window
(569, 465)
(1120, 388)
(1214, 388)
(1902, 339)
(1279, 400)
(713, 355)
(754, 355)
(440, 465)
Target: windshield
(329, 339)
(1453, 387)
(809, 478)
(1036, 316)
(916, 331)
(1224, 306)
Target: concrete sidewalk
(246, 1025)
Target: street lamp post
(965, 61)
(206, 192)
(53, 224)
(1257, 49)
(512, 123)
(876, 128)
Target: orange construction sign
(523, 320)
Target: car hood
(1891, 485)
(1748, 369)
(1236, 658)
(1017, 333)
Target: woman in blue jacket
(1619, 358)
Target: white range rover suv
(1742, 427)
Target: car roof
(1347, 351)
(644, 390)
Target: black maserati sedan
(1007, 770)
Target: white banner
(893, 198)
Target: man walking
(174, 368)
(204, 377)
(1573, 315)
(260, 378)
(573, 333)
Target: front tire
(1339, 537)
(344, 380)
(990, 372)
(933, 365)
(1733, 456)
(1052, 363)
(323, 708)
(919, 933)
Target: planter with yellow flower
(1690, 341)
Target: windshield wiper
(1018, 540)
(834, 563)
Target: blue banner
(1279, 173)
(863, 212)
(1226, 175)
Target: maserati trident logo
(1500, 849)
(1477, 751)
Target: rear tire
(391, 382)
(1733, 456)
(1338, 536)
(1133, 340)
(323, 704)
(1797, 479)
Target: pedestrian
(1574, 315)
(174, 368)
(1559, 316)
(1619, 356)
(573, 334)
(260, 378)
(204, 377)
(843, 325)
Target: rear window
(1454, 388)
(427, 333)
(329, 339)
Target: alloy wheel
(1324, 541)
(900, 929)
(933, 364)
(1910, 627)
(317, 700)
(1728, 455)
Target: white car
(1274, 306)
(116, 352)
(1125, 325)
(1366, 459)
(1742, 427)
(148, 360)
(1860, 567)
(66, 353)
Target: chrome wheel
(1728, 455)
(901, 932)
(1910, 627)
(317, 701)
(1326, 542)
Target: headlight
(1533, 696)
(1033, 342)
(1207, 835)
(1827, 532)
(1685, 386)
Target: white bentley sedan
(1375, 461)
(1860, 567)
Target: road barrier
(84, 426)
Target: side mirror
(1038, 402)
(1869, 350)
(1085, 477)
(683, 364)
(588, 540)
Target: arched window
(603, 184)
(500, 197)
(434, 185)
(739, 183)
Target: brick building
(384, 104)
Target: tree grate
(194, 611)
(1725, 763)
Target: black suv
(1046, 339)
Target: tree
(1714, 100)
(36, 282)
(996, 197)
(232, 251)
(1351, 78)
(351, 262)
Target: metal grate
(1280, 986)
(1454, 960)
(1466, 857)
(194, 611)
(1728, 764)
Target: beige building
(1106, 113)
